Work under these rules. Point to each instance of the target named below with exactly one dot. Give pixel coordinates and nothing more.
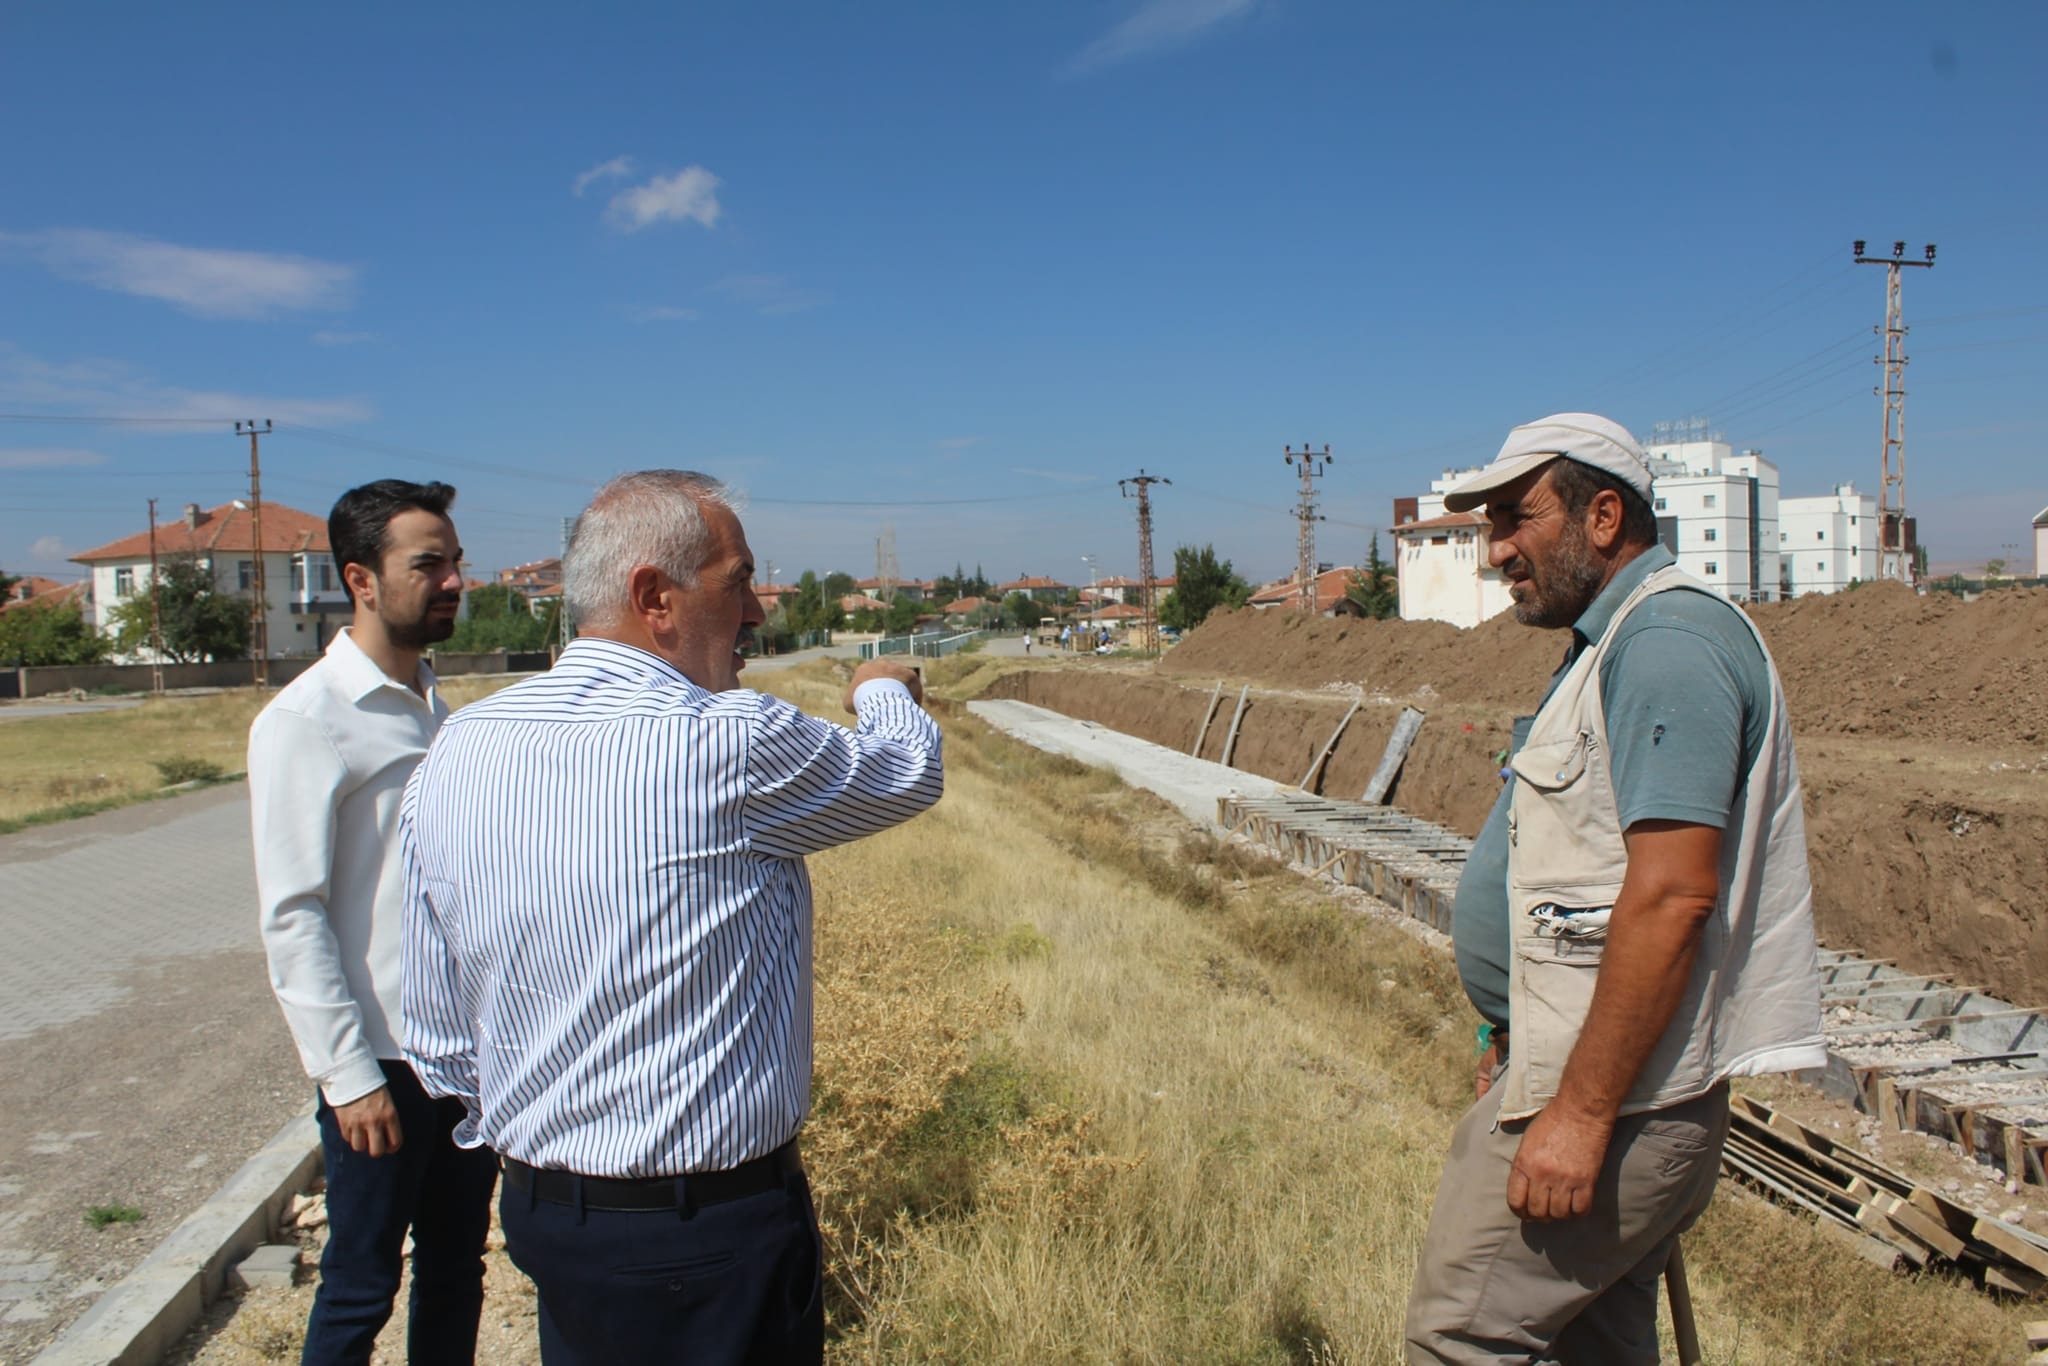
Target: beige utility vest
(1753, 1003)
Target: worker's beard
(1558, 590)
(428, 629)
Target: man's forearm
(1643, 975)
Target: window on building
(326, 574)
(298, 575)
(1852, 521)
(1713, 533)
(1712, 567)
(1660, 505)
(1710, 500)
(124, 582)
(1820, 566)
(245, 574)
(1852, 550)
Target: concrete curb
(141, 1317)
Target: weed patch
(101, 1216)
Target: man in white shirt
(328, 763)
(608, 939)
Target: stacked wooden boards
(1885, 1214)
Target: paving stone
(270, 1267)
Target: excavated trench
(1931, 855)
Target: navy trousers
(715, 1285)
(440, 1192)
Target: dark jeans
(720, 1284)
(439, 1191)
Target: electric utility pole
(1894, 556)
(260, 639)
(156, 615)
(1139, 486)
(564, 628)
(1311, 464)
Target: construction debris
(1888, 1217)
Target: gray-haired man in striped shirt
(608, 939)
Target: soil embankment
(1922, 726)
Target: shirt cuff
(879, 687)
(353, 1080)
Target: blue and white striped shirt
(608, 922)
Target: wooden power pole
(260, 611)
(156, 614)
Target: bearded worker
(608, 939)
(1634, 923)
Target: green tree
(58, 633)
(1202, 583)
(1374, 587)
(7, 582)
(837, 585)
(1023, 610)
(501, 618)
(199, 621)
(902, 616)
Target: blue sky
(848, 255)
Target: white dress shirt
(608, 925)
(328, 762)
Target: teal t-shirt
(1687, 694)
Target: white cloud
(207, 282)
(1156, 26)
(48, 458)
(49, 550)
(106, 388)
(773, 295)
(618, 168)
(691, 193)
(327, 336)
(663, 313)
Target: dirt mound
(1879, 660)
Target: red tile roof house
(306, 601)
(37, 591)
(1121, 589)
(1330, 586)
(1036, 587)
(917, 590)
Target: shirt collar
(596, 655)
(361, 675)
(1599, 614)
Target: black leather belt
(638, 1194)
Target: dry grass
(1089, 1089)
(54, 767)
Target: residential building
(1441, 563)
(2041, 543)
(538, 581)
(306, 600)
(1125, 590)
(44, 592)
(861, 602)
(1717, 512)
(917, 590)
(1036, 587)
(1332, 582)
(1827, 542)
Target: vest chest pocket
(1554, 764)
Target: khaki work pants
(1491, 1288)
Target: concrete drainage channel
(149, 1309)
(1913, 1051)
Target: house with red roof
(306, 602)
(1286, 595)
(1036, 587)
(35, 590)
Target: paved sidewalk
(142, 1059)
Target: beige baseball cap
(1585, 437)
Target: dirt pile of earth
(1922, 727)
(1881, 660)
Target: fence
(919, 647)
(42, 680)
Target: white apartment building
(1828, 542)
(1717, 512)
(2041, 543)
(307, 603)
